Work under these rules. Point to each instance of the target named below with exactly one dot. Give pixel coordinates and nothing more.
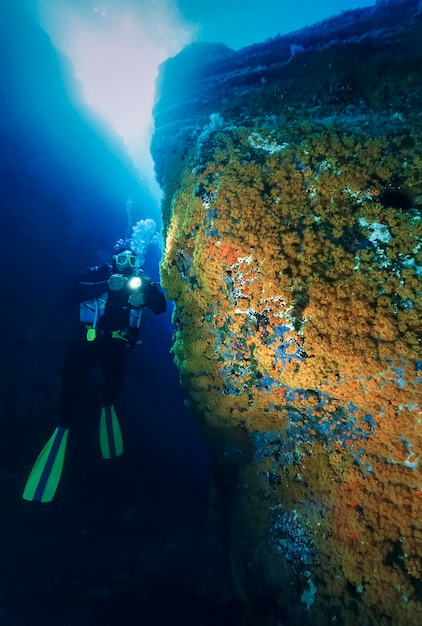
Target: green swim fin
(45, 475)
(111, 442)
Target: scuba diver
(112, 299)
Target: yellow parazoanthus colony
(298, 319)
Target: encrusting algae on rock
(297, 284)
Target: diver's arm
(148, 296)
(154, 299)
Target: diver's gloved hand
(137, 299)
(116, 282)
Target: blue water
(121, 541)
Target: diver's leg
(81, 358)
(113, 365)
(45, 475)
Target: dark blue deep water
(126, 541)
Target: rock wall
(293, 194)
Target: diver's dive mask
(125, 259)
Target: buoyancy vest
(90, 312)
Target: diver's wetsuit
(114, 337)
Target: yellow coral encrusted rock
(298, 317)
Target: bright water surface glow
(117, 45)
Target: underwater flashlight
(134, 283)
